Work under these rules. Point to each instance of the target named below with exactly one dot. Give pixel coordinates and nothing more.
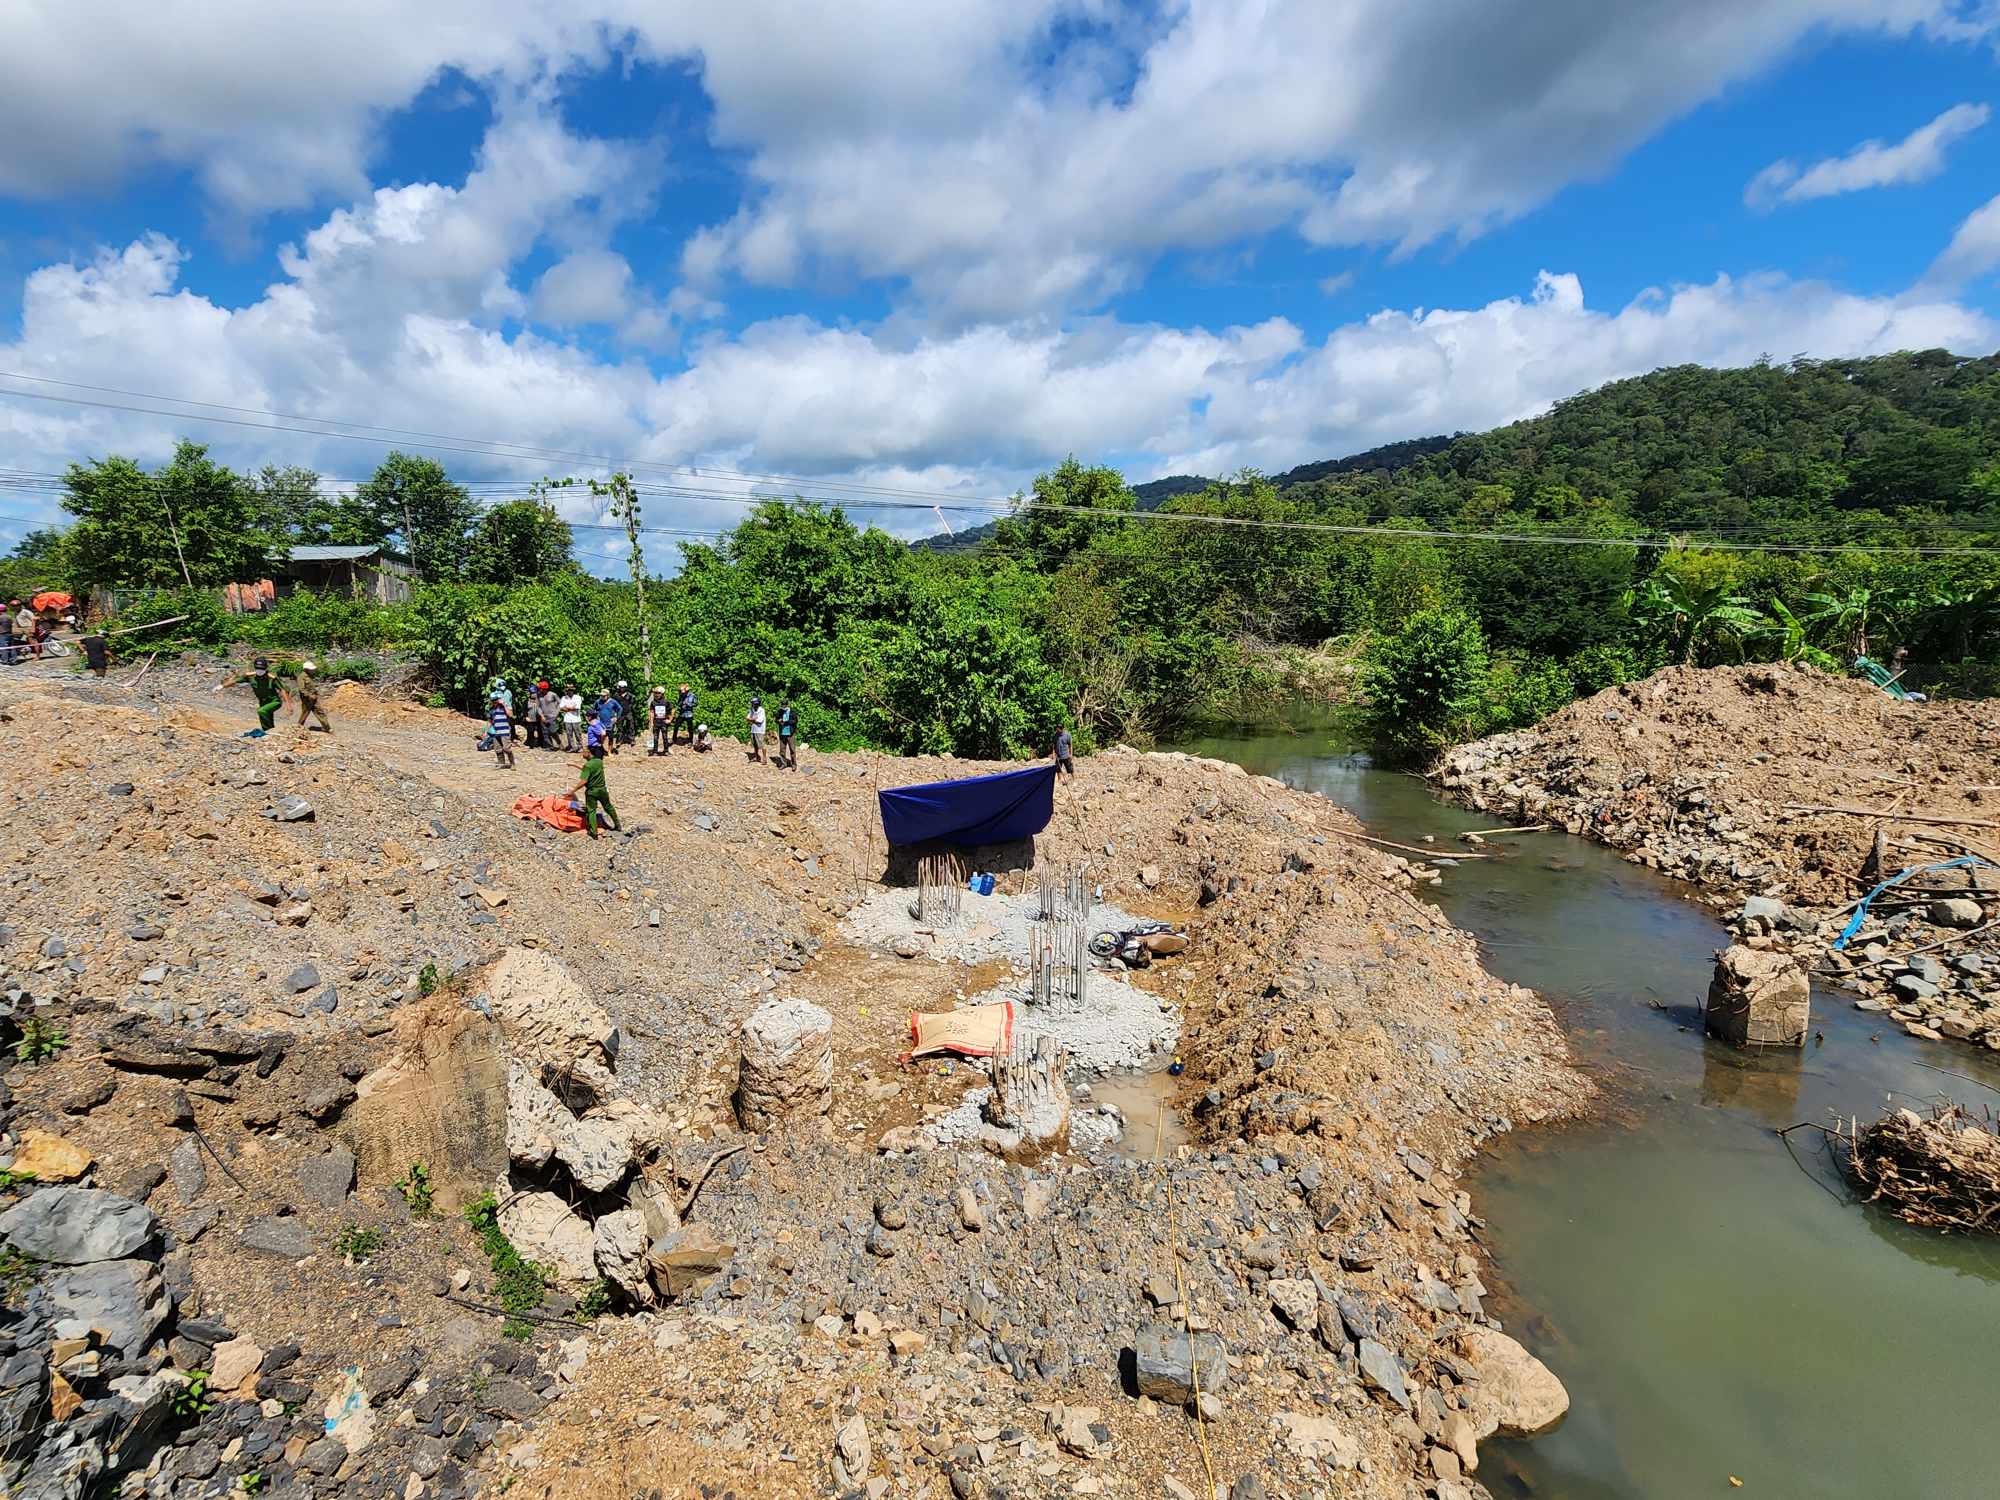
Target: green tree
(293, 506)
(522, 541)
(1048, 527)
(1426, 682)
(194, 523)
(1845, 617)
(414, 499)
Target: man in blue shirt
(501, 724)
(1064, 763)
(788, 730)
(683, 715)
(608, 710)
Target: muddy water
(1715, 1303)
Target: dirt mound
(1725, 776)
(239, 942)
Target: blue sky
(934, 247)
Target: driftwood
(1941, 1171)
(1501, 833)
(1369, 838)
(1888, 814)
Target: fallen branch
(501, 1312)
(713, 1162)
(210, 1148)
(1888, 815)
(1499, 833)
(142, 671)
(1369, 838)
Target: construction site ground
(1343, 1053)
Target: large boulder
(597, 1150)
(619, 1244)
(1759, 998)
(544, 1229)
(786, 1068)
(72, 1226)
(1516, 1395)
(124, 1301)
(1168, 1364)
(552, 1024)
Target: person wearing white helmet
(308, 686)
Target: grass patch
(18, 1272)
(518, 1282)
(415, 1186)
(358, 1244)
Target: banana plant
(1691, 618)
(1789, 631)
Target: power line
(490, 449)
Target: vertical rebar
(940, 889)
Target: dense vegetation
(1633, 515)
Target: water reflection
(1715, 1306)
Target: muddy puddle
(1715, 1302)
(1153, 1126)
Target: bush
(201, 623)
(353, 668)
(309, 621)
(1426, 682)
(1595, 668)
(1527, 692)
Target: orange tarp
(51, 599)
(554, 811)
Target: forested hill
(1690, 446)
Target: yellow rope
(1187, 1310)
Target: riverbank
(239, 948)
(1802, 791)
(1672, 1257)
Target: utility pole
(173, 530)
(624, 504)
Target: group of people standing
(565, 722)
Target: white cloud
(1918, 157)
(1974, 252)
(999, 156)
(1373, 122)
(1334, 285)
(591, 286)
(972, 412)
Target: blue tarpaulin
(977, 810)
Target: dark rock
(301, 979)
(138, 1184)
(326, 1179)
(323, 1456)
(279, 1357)
(384, 1382)
(94, 1088)
(145, 932)
(279, 1236)
(72, 1226)
(1167, 1368)
(124, 1299)
(1382, 1371)
(509, 1398)
(1247, 1487)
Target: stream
(1714, 1300)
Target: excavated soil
(1723, 775)
(1344, 1053)
(1799, 789)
